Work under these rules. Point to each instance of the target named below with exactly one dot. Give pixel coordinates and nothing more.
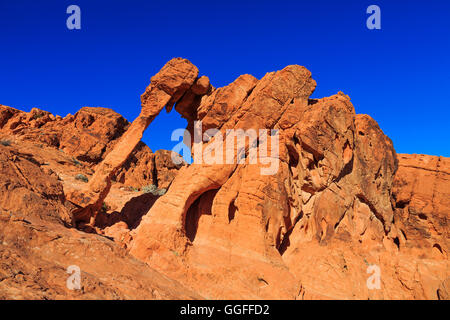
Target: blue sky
(399, 75)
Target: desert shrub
(81, 177)
(38, 115)
(6, 143)
(161, 192)
(105, 207)
(153, 190)
(76, 162)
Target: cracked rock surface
(339, 201)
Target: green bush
(76, 162)
(153, 190)
(161, 192)
(6, 143)
(81, 177)
(38, 115)
(105, 207)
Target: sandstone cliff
(340, 200)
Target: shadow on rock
(131, 214)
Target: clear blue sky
(400, 75)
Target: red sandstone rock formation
(143, 168)
(37, 247)
(332, 192)
(422, 200)
(165, 89)
(88, 136)
(340, 201)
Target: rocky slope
(339, 202)
(38, 242)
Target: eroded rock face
(143, 168)
(35, 255)
(415, 268)
(38, 244)
(328, 207)
(338, 203)
(91, 132)
(29, 189)
(87, 136)
(165, 89)
(421, 195)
